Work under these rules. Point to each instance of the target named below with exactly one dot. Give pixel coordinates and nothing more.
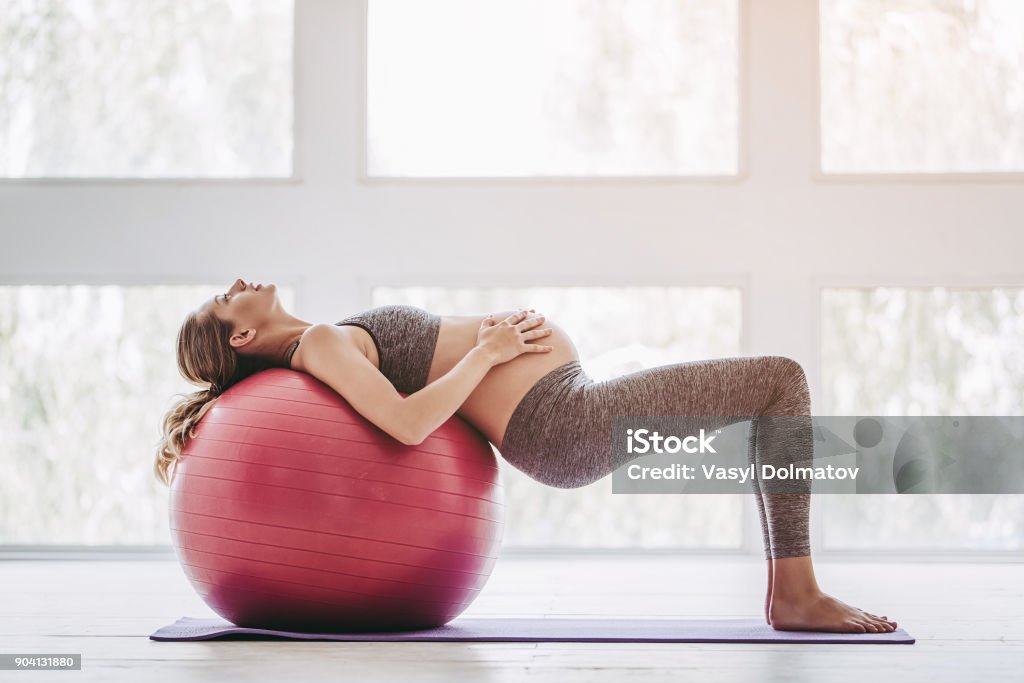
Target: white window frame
(778, 225)
(558, 179)
(884, 177)
(252, 181)
(950, 281)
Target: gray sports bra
(405, 337)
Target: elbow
(412, 439)
(408, 436)
(408, 431)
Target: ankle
(795, 593)
(793, 579)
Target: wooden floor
(968, 620)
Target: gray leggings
(560, 433)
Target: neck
(279, 338)
(291, 335)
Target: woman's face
(244, 304)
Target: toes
(883, 627)
(882, 621)
(887, 625)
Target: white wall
(778, 228)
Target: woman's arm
(428, 408)
(497, 342)
(411, 419)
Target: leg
(795, 601)
(560, 435)
(767, 385)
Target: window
(88, 374)
(920, 86)
(533, 88)
(155, 89)
(923, 351)
(616, 330)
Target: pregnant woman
(517, 378)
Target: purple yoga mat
(550, 630)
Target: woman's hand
(508, 338)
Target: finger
(533, 334)
(535, 348)
(517, 316)
(531, 322)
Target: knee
(787, 368)
(791, 395)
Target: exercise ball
(291, 511)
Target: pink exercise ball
(289, 510)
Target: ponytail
(178, 426)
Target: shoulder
(320, 334)
(318, 340)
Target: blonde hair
(204, 357)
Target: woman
(523, 387)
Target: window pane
(922, 86)
(616, 330)
(88, 374)
(160, 88)
(923, 351)
(526, 87)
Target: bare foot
(817, 611)
(799, 605)
(768, 595)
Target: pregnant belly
(495, 398)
